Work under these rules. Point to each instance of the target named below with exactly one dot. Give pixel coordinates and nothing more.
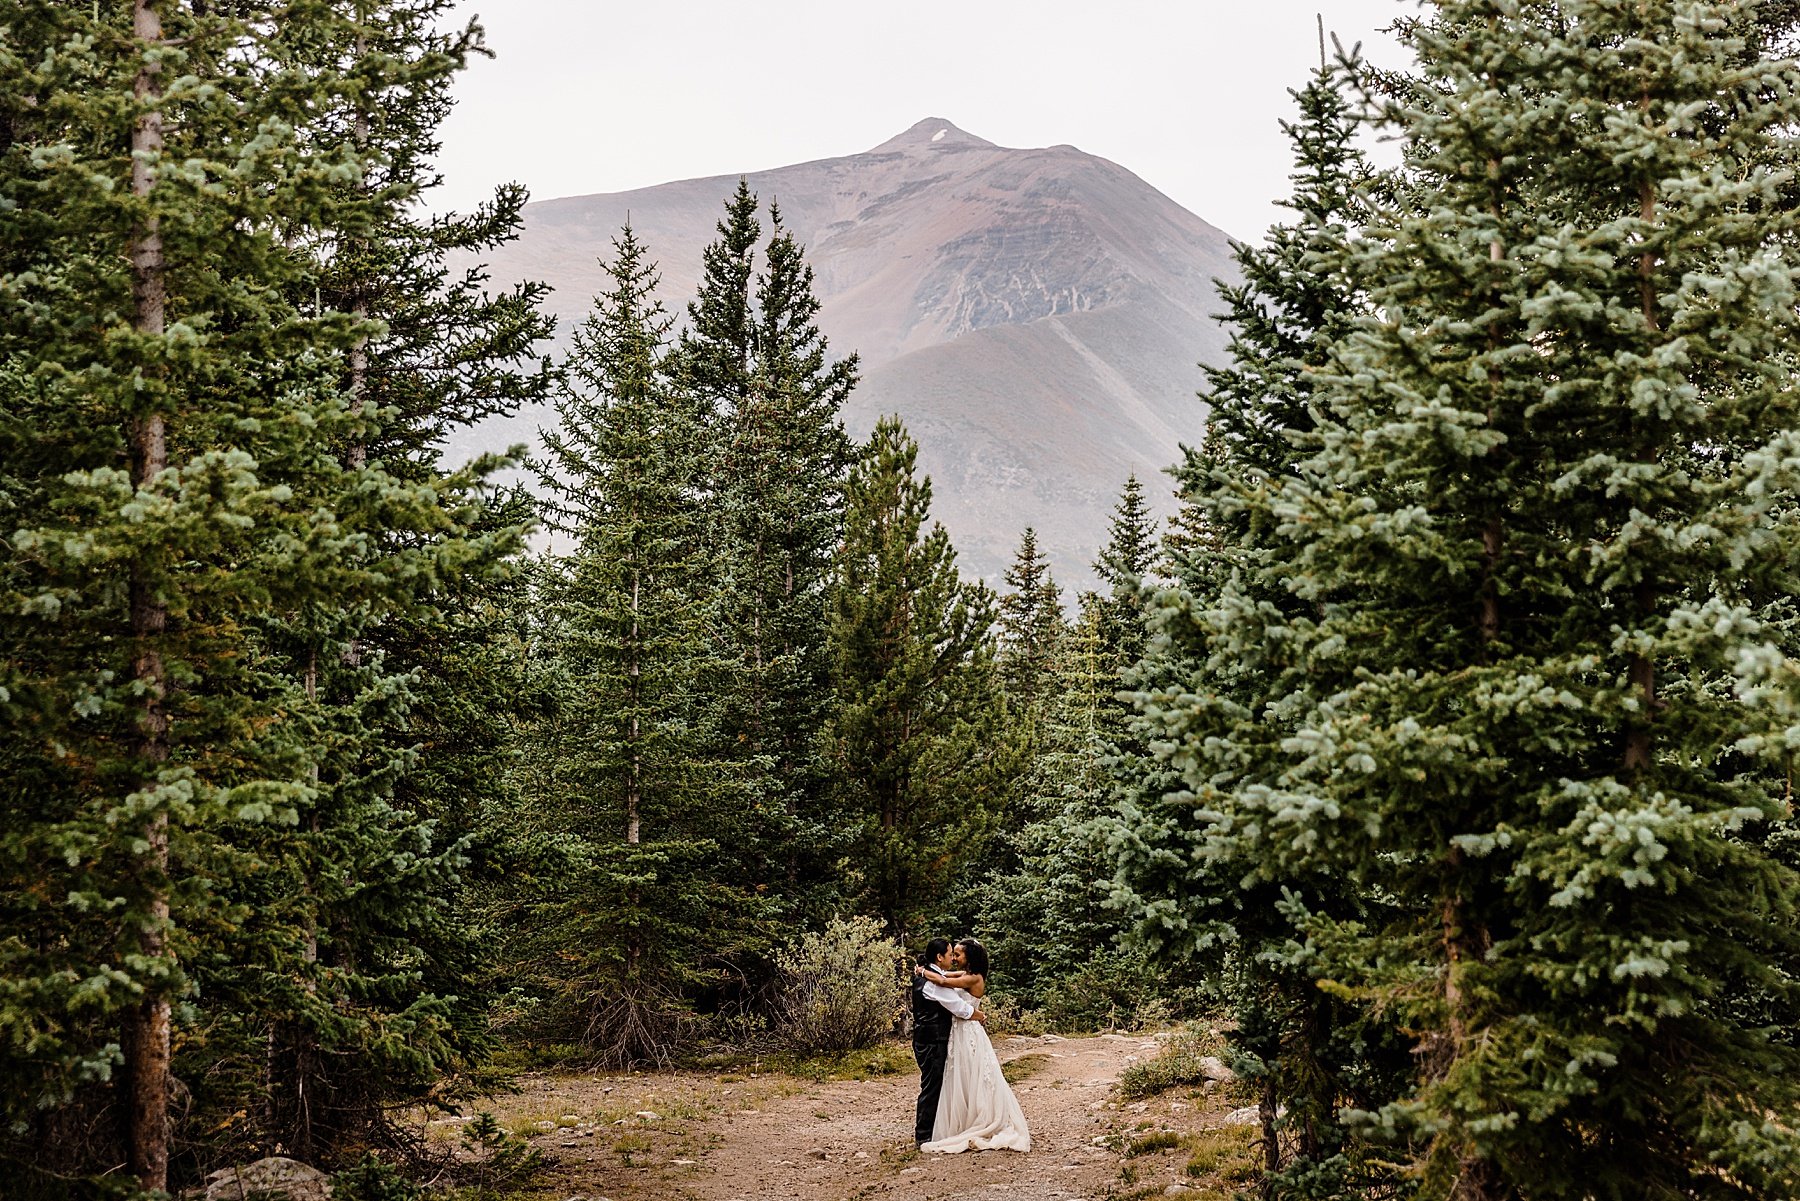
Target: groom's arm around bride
(931, 1036)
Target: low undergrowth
(1180, 1062)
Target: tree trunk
(145, 1034)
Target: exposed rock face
(1036, 316)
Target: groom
(932, 1007)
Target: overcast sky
(602, 97)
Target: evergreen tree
(386, 1004)
(714, 359)
(779, 492)
(916, 737)
(1536, 704)
(1124, 566)
(1030, 626)
(1230, 697)
(175, 414)
(635, 794)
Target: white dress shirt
(955, 1000)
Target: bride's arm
(975, 986)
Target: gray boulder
(273, 1179)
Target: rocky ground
(754, 1135)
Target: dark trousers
(931, 1057)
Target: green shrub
(842, 989)
(499, 1160)
(373, 1180)
(1007, 1018)
(1178, 1063)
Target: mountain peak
(933, 133)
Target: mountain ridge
(1035, 315)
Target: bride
(977, 1110)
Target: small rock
(647, 1115)
(569, 1119)
(682, 1163)
(1249, 1115)
(546, 1125)
(1213, 1068)
(1053, 1038)
(1175, 1189)
(862, 1155)
(818, 1153)
(1138, 1106)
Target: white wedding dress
(977, 1110)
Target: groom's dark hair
(933, 950)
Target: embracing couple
(965, 1103)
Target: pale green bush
(842, 989)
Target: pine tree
(1213, 685)
(1124, 565)
(779, 492)
(714, 359)
(1536, 703)
(916, 737)
(175, 416)
(386, 1004)
(1030, 626)
(636, 820)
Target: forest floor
(754, 1134)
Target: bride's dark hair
(975, 958)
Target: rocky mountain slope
(1035, 316)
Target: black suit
(931, 1046)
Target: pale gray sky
(603, 97)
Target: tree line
(324, 780)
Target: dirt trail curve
(690, 1136)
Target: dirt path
(756, 1137)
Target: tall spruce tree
(386, 1006)
(633, 822)
(916, 735)
(1030, 623)
(1538, 705)
(714, 357)
(1229, 698)
(1124, 565)
(178, 403)
(783, 455)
